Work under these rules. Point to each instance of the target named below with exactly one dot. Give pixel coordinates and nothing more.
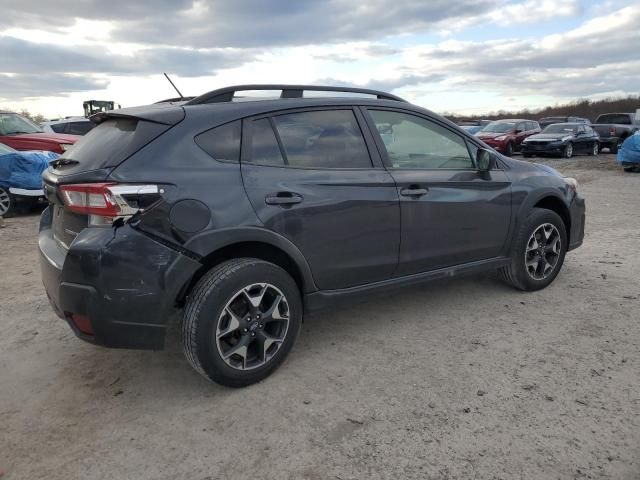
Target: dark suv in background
(239, 216)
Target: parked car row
(559, 136)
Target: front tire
(241, 321)
(595, 149)
(508, 151)
(568, 150)
(538, 251)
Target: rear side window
(322, 139)
(58, 127)
(80, 128)
(222, 143)
(264, 146)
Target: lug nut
(245, 330)
(261, 325)
(253, 334)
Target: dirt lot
(460, 379)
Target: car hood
(550, 136)
(49, 137)
(490, 134)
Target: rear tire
(241, 321)
(7, 203)
(535, 262)
(614, 147)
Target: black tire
(635, 169)
(508, 151)
(7, 203)
(568, 151)
(516, 273)
(614, 147)
(595, 149)
(204, 310)
(527, 155)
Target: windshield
(561, 128)
(5, 148)
(614, 118)
(499, 127)
(14, 124)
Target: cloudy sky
(462, 56)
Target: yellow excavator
(92, 107)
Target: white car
(70, 125)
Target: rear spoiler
(162, 113)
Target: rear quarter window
(222, 143)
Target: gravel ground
(464, 378)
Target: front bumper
(542, 149)
(577, 211)
(123, 281)
(500, 146)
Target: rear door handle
(283, 198)
(413, 192)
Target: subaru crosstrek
(237, 217)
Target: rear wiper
(60, 162)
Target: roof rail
(286, 91)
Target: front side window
(80, 128)
(222, 143)
(322, 139)
(416, 143)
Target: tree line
(579, 108)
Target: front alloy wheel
(543, 251)
(568, 150)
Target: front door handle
(413, 192)
(283, 198)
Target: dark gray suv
(236, 217)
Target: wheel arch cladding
(556, 205)
(249, 249)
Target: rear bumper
(124, 282)
(609, 140)
(26, 193)
(577, 211)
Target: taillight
(104, 202)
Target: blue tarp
(24, 169)
(629, 153)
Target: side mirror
(485, 160)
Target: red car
(21, 133)
(506, 136)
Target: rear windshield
(110, 143)
(614, 118)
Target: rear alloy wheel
(240, 321)
(595, 149)
(538, 251)
(568, 150)
(6, 202)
